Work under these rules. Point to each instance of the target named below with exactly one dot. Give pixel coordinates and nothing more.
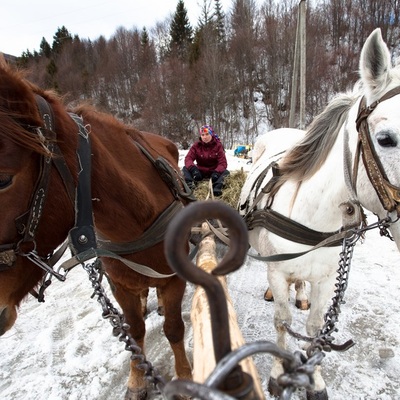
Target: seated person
(206, 159)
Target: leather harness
(389, 195)
(82, 238)
(287, 228)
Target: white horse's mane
(304, 159)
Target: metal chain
(120, 328)
(324, 339)
(298, 371)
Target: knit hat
(207, 129)
(210, 130)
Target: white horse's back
(269, 147)
(275, 142)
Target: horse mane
(20, 117)
(89, 113)
(306, 157)
(88, 109)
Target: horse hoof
(268, 296)
(273, 388)
(317, 395)
(135, 394)
(303, 304)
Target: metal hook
(197, 212)
(176, 238)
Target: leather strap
(82, 236)
(91, 253)
(169, 175)
(388, 194)
(153, 235)
(287, 228)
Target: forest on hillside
(232, 70)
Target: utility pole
(299, 68)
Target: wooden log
(203, 351)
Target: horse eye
(5, 180)
(386, 140)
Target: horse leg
(302, 302)
(320, 294)
(160, 307)
(268, 296)
(280, 288)
(174, 328)
(143, 301)
(131, 304)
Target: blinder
(388, 194)
(28, 222)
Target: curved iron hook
(194, 390)
(198, 212)
(177, 236)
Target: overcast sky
(24, 22)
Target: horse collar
(389, 195)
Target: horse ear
(375, 64)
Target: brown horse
(128, 194)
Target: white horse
(318, 171)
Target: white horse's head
(378, 77)
(376, 70)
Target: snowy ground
(63, 349)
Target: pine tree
(195, 49)
(60, 39)
(23, 61)
(45, 48)
(144, 38)
(206, 18)
(210, 31)
(220, 23)
(181, 31)
(147, 57)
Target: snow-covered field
(63, 349)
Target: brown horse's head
(20, 158)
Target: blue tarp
(240, 150)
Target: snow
(63, 349)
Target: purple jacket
(209, 157)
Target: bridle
(27, 223)
(389, 195)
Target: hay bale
(231, 192)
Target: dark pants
(217, 185)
